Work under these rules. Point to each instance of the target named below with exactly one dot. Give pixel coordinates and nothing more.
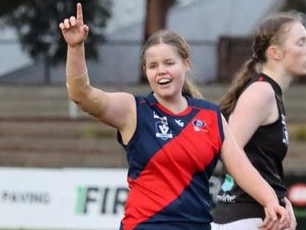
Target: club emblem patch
(161, 126)
(199, 125)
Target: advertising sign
(62, 198)
(297, 196)
(82, 198)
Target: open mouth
(164, 81)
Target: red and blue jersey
(171, 158)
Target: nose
(161, 70)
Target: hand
(73, 29)
(292, 219)
(276, 218)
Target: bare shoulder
(118, 108)
(260, 93)
(258, 101)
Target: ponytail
(271, 30)
(242, 78)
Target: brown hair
(269, 31)
(171, 38)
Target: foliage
(298, 5)
(36, 23)
(297, 132)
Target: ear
(274, 52)
(187, 63)
(144, 71)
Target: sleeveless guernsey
(171, 158)
(266, 149)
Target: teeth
(164, 81)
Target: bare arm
(238, 166)
(255, 107)
(248, 117)
(115, 109)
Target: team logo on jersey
(179, 122)
(162, 128)
(285, 131)
(226, 187)
(199, 125)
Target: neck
(281, 79)
(175, 105)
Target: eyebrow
(303, 39)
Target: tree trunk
(155, 19)
(156, 16)
(47, 69)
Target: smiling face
(165, 70)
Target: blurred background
(41, 129)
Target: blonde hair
(171, 38)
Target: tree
(36, 23)
(155, 19)
(298, 5)
(156, 16)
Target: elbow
(73, 96)
(78, 87)
(78, 94)
(86, 99)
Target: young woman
(172, 139)
(255, 111)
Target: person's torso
(266, 149)
(171, 158)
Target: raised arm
(115, 109)
(238, 165)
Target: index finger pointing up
(79, 12)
